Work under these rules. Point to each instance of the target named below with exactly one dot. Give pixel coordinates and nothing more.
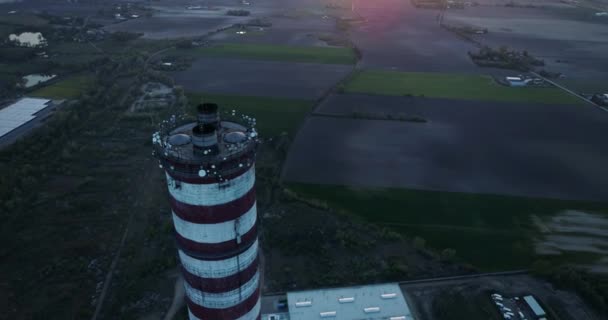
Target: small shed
(517, 81)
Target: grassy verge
(452, 86)
(491, 232)
(450, 305)
(68, 88)
(273, 115)
(276, 52)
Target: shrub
(238, 13)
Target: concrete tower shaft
(210, 171)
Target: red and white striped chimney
(209, 166)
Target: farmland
(276, 52)
(68, 88)
(489, 231)
(274, 115)
(304, 81)
(385, 153)
(453, 86)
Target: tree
(124, 36)
(448, 254)
(184, 44)
(419, 243)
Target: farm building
(517, 81)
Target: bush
(419, 243)
(124, 36)
(17, 54)
(448, 254)
(184, 44)
(592, 287)
(238, 13)
(259, 23)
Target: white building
(21, 112)
(370, 302)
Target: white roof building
(384, 301)
(19, 113)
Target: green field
(68, 88)
(273, 115)
(24, 19)
(6, 30)
(275, 52)
(451, 86)
(20, 68)
(491, 232)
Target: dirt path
(108, 279)
(178, 297)
(139, 195)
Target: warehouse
(382, 301)
(21, 116)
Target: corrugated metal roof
(536, 308)
(384, 301)
(19, 113)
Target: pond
(34, 79)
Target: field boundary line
(108, 278)
(318, 102)
(440, 226)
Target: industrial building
(21, 116)
(20, 112)
(380, 301)
(210, 172)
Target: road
(568, 91)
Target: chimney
(204, 134)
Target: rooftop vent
(397, 318)
(179, 139)
(371, 309)
(346, 300)
(328, 314)
(388, 295)
(235, 137)
(300, 304)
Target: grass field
(451, 86)
(19, 68)
(24, 19)
(276, 52)
(491, 232)
(6, 30)
(68, 88)
(273, 115)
